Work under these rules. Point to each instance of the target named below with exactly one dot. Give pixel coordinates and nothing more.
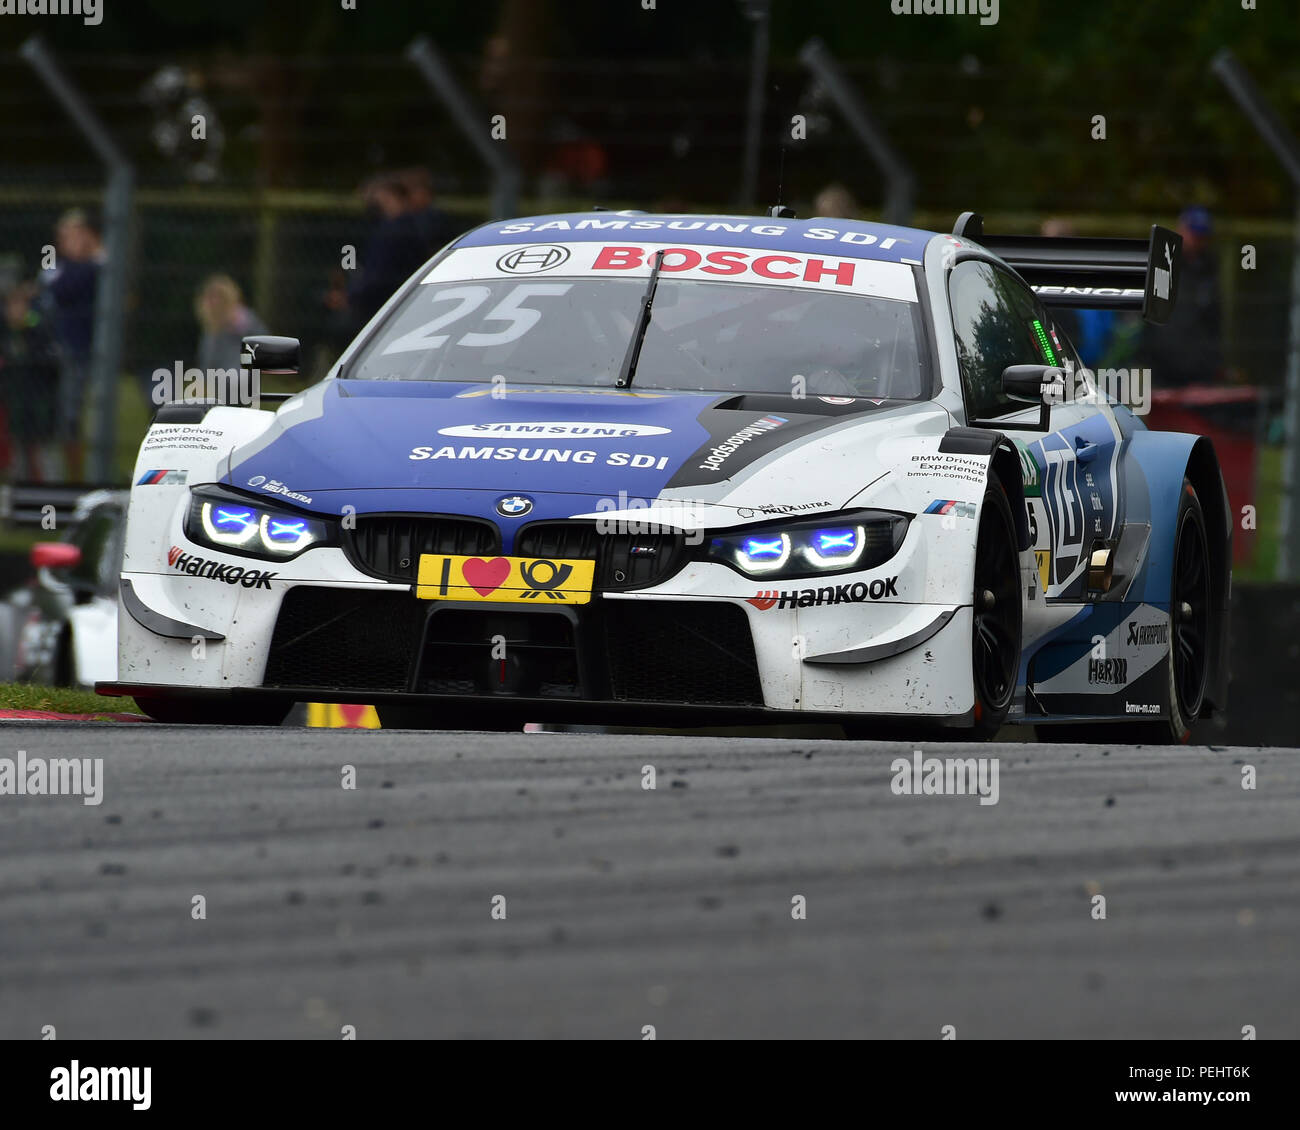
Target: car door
(1068, 472)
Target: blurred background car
(60, 628)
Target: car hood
(436, 446)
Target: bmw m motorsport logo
(187, 563)
(513, 505)
(723, 451)
(827, 594)
(161, 477)
(532, 259)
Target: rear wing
(1091, 273)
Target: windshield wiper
(628, 371)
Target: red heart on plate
(485, 576)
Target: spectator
(1187, 349)
(576, 164)
(836, 201)
(433, 227)
(29, 382)
(224, 321)
(392, 251)
(70, 296)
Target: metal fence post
(473, 123)
(1285, 147)
(110, 291)
(816, 56)
(760, 12)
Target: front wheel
(998, 614)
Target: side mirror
(1035, 384)
(54, 555)
(271, 354)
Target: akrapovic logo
(1143, 635)
(855, 593)
(1112, 671)
(193, 566)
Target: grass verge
(61, 700)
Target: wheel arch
(1004, 466)
(1166, 459)
(1206, 477)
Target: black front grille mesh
(389, 545)
(343, 639)
(684, 652)
(697, 652)
(623, 561)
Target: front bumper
(707, 642)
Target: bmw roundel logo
(257, 480)
(513, 505)
(532, 259)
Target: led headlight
(223, 520)
(862, 539)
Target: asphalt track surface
(627, 907)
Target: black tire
(61, 665)
(400, 716)
(192, 710)
(8, 644)
(1190, 631)
(997, 627)
(1190, 615)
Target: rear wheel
(1187, 663)
(1189, 623)
(197, 711)
(998, 614)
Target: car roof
(857, 239)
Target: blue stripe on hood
(385, 436)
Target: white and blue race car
(674, 470)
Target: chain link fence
(269, 197)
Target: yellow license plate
(509, 580)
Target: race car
(60, 627)
(674, 470)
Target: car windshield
(707, 336)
